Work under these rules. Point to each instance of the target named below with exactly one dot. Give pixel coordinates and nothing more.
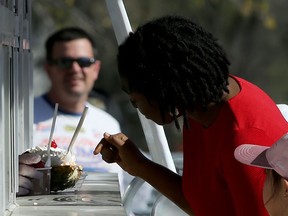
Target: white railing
(154, 134)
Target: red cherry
(53, 144)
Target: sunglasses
(66, 63)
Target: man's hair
(176, 62)
(65, 35)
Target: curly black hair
(176, 62)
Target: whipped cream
(56, 155)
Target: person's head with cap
(275, 160)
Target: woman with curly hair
(172, 68)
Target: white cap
(274, 157)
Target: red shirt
(214, 183)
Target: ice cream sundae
(65, 172)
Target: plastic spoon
(76, 132)
(48, 161)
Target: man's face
(72, 80)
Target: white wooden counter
(99, 195)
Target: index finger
(103, 142)
(113, 140)
(98, 148)
(116, 140)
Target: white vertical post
(154, 134)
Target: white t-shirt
(95, 124)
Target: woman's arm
(118, 148)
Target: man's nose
(75, 67)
